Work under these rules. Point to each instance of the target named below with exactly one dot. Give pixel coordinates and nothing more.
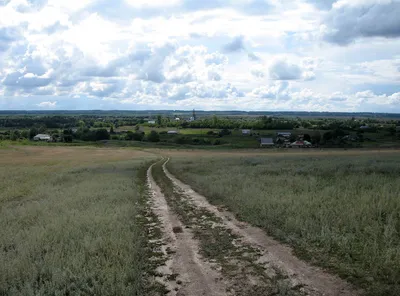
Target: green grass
(341, 212)
(72, 228)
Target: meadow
(70, 221)
(338, 210)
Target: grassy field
(71, 221)
(338, 211)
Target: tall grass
(339, 212)
(71, 229)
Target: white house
(172, 132)
(151, 122)
(42, 137)
(246, 132)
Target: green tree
(102, 134)
(307, 137)
(33, 132)
(25, 134)
(153, 137)
(14, 136)
(131, 136)
(159, 120)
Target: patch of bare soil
(275, 257)
(185, 273)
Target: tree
(67, 138)
(14, 135)
(33, 132)
(307, 137)
(25, 134)
(112, 130)
(159, 120)
(316, 138)
(131, 136)
(153, 137)
(225, 132)
(327, 136)
(102, 134)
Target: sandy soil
(314, 280)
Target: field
(339, 211)
(69, 221)
(91, 221)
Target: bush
(67, 138)
(217, 142)
(210, 133)
(180, 140)
(163, 132)
(153, 137)
(225, 132)
(131, 136)
(102, 134)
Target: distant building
(42, 137)
(246, 132)
(151, 122)
(172, 132)
(284, 134)
(301, 144)
(177, 119)
(267, 142)
(364, 127)
(191, 118)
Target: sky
(287, 55)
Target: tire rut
(185, 273)
(313, 280)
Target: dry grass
(341, 211)
(69, 222)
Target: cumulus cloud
(167, 55)
(253, 57)
(349, 20)
(47, 104)
(7, 36)
(281, 69)
(237, 44)
(27, 80)
(323, 4)
(153, 3)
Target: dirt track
(185, 273)
(243, 260)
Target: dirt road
(212, 253)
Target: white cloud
(47, 104)
(349, 20)
(242, 54)
(153, 3)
